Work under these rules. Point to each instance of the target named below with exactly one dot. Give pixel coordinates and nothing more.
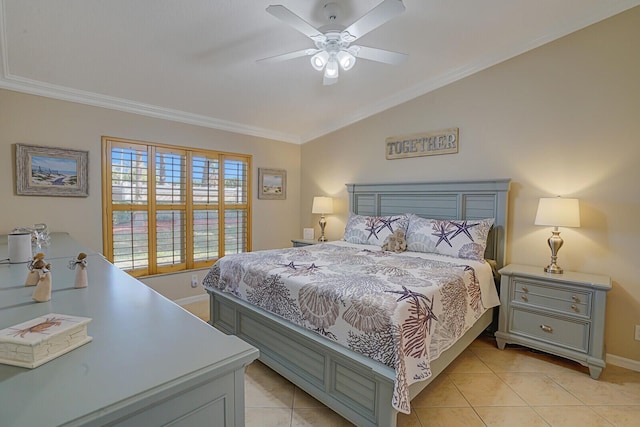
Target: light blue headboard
(440, 200)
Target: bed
(361, 389)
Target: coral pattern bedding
(402, 310)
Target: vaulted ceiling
(194, 61)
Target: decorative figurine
(34, 272)
(42, 293)
(81, 271)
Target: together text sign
(423, 144)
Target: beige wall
(36, 120)
(563, 119)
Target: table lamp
(322, 206)
(557, 212)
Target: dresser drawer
(563, 332)
(566, 300)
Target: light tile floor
(484, 386)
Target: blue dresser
(150, 362)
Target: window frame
(188, 206)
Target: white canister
(19, 248)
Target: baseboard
(191, 300)
(623, 362)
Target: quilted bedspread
(402, 310)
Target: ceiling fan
(333, 42)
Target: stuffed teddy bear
(395, 242)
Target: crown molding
(34, 87)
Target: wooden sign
(423, 144)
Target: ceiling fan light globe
(317, 63)
(319, 60)
(346, 60)
(332, 69)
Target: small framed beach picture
(272, 184)
(49, 171)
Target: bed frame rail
(358, 388)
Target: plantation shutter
(170, 209)
(173, 208)
(129, 201)
(205, 200)
(235, 205)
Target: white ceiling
(194, 61)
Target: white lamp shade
(319, 60)
(558, 212)
(331, 70)
(322, 205)
(346, 60)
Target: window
(171, 208)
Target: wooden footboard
(356, 387)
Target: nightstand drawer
(544, 302)
(563, 332)
(567, 300)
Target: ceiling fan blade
(379, 55)
(296, 22)
(290, 55)
(377, 16)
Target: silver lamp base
(553, 268)
(323, 223)
(555, 243)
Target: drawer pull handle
(575, 308)
(546, 328)
(575, 298)
(525, 289)
(524, 298)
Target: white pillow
(459, 238)
(373, 230)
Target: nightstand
(561, 314)
(302, 242)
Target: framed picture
(49, 171)
(272, 184)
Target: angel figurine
(42, 293)
(34, 272)
(80, 265)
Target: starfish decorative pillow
(462, 238)
(373, 230)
